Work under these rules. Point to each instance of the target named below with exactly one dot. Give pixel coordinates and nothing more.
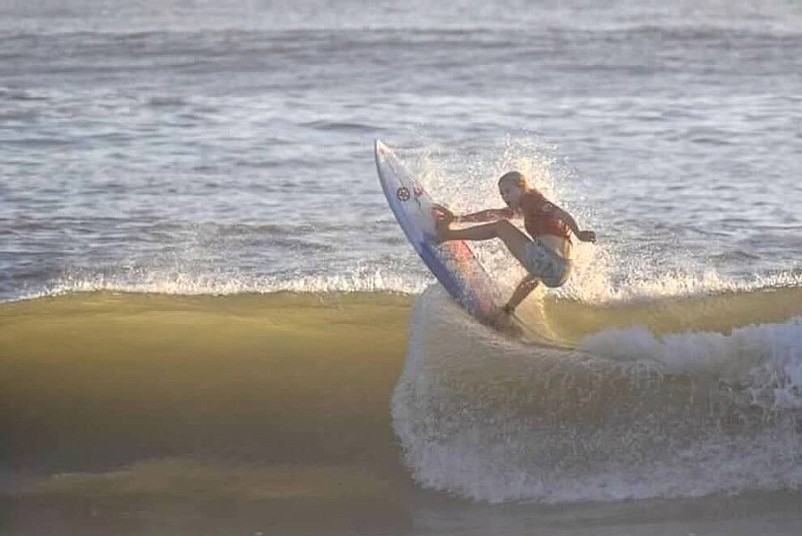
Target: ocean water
(193, 238)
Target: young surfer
(546, 255)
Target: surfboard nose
(379, 147)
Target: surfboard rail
(453, 263)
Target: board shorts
(545, 264)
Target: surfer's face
(510, 192)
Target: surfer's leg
(522, 290)
(485, 231)
(513, 238)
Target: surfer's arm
(491, 214)
(585, 236)
(524, 288)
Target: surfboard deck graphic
(453, 263)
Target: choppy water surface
(198, 144)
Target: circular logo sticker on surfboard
(402, 194)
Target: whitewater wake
(628, 414)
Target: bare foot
(505, 324)
(442, 222)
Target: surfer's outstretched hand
(442, 221)
(443, 215)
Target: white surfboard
(453, 263)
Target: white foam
(766, 359)
(179, 283)
(495, 421)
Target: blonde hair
(514, 176)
